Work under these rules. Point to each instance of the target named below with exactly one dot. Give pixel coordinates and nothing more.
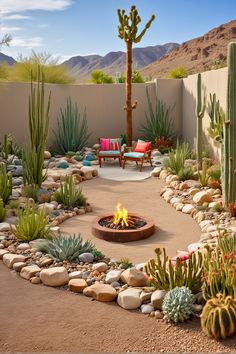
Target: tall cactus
(201, 106)
(128, 31)
(229, 143)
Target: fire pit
(122, 226)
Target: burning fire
(121, 217)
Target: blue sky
(67, 28)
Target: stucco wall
(104, 105)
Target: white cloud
(13, 6)
(6, 29)
(31, 42)
(44, 25)
(17, 17)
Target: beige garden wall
(104, 105)
(214, 81)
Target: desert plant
(31, 191)
(66, 248)
(229, 142)
(178, 73)
(218, 319)
(5, 184)
(177, 304)
(165, 275)
(163, 144)
(33, 157)
(185, 174)
(125, 262)
(217, 116)
(158, 122)
(6, 147)
(72, 130)
(217, 208)
(214, 173)
(128, 32)
(99, 77)
(2, 210)
(200, 111)
(175, 161)
(136, 78)
(98, 255)
(69, 195)
(203, 175)
(32, 224)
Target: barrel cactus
(177, 304)
(218, 318)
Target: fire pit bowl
(122, 235)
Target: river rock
(29, 271)
(101, 292)
(23, 246)
(77, 274)
(4, 226)
(56, 276)
(2, 252)
(9, 259)
(147, 308)
(100, 267)
(134, 277)
(157, 299)
(129, 299)
(113, 276)
(202, 197)
(188, 208)
(18, 266)
(86, 257)
(77, 285)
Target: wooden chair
(137, 157)
(110, 154)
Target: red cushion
(142, 147)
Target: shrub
(165, 275)
(66, 248)
(72, 131)
(158, 122)
(32, 224)
(69, 195)
(31, 191)
(163, 144)
(176, 159)
(4, 72)
(125, 262)
(185, 174)
(5, 184)
(218, 319)
(2, 210)
(99, 77)
(178, 73)
(177, 304)
(136, 78)
(214, 173)
(203, 174)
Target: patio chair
(141, 153)
(110, 148)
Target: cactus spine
(128, 31)
(229, 143)
(218, 318)
(201, 106)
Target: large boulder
(129, 299)
(157, 299)
(134, 277)
(101, 292)
(56, 276)
(202, 197)
(29, 271)
(9, 259)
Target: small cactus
(218, 318)
(177, 304)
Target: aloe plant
(72, 132)
(175, 161)
(69, 195)
(158, 122)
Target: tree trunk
(129, 93)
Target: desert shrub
(163, 144)
(99, 77)
(32, 224)
(2, 210)
(72, 130)
(69, 195)
(4, 72)
(125, 262)
(5, 184)
(178, 304)
(203, 175)
(214, 173)
(175, 161)
(178, 73)
(158, 122)
(136, 78)
(185, 174)
(66, 248)
(31, 191)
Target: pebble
(147, 308)
(86, 257)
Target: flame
(121, 216)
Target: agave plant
(72, 132)
(32, 224)
(158, 122)
(176, 158)
(66, 248)
(69, 195)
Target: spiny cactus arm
(148, 24)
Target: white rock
(179, 206)
(204, 223)
(168, 194)
(157, 299)
(4, 226)
(175, 200)
(129, 299)
(18, 266)
(23, 246)
(48, 207)
(193, 247)
(202, 197)
(156, 172)
(77, 274)
(86, 257)
(9, 259)
(56, 276)
(113, 275)
(100, 267)
(2, 252)
(187, 208)
(147, 308)
(141, 266)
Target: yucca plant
(72, 131)
(69, 195)
(33, 157)
(2, 210)
(158, 123)
(5, 184)
(32, 224)
(175, 161)
(66, 248)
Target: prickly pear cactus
(177, 304)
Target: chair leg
(120, 161)
(100, 161)
(141, 166)
(136, 162)
(151, 161)
(124, 162)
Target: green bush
(175, 161)
(31, 191)
(32, 224)
(185, 174)
(66, 248)
(99, 77)
(72, 131)
(2, 210)
(69, 195)
(5, 184)
(158, 123)
(177, 73)
(136, 78)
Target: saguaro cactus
(229, 143)
(201, 106)
(128, 31)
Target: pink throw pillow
(104, 144)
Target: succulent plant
(5, 184)
(66, 248)
(165, 275)
(69, 195)
(218, 318)
(177, 304)
(2, 210)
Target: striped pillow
(115, 144)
